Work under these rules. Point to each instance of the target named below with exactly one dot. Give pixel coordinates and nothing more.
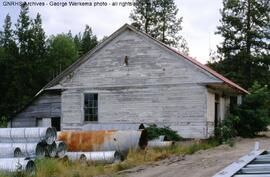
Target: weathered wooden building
(133, 78)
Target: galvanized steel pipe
(30, 149)
(29, 135)
(160, 144)
(121, 141)
(22, 150)
(61, 148)
(8, 150)
(17, 165)
(106, 157)
(51, 150)
(73, 156)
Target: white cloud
(200, 18)
(103, 20)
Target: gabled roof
(85, 57)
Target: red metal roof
(213, 72)
(204, 67)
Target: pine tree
(23, 31)
(244, 52)
(69, 34)
(7, 35)
(89, 41)
(8, 54)
(38, 53)
(23, 69)
(160, 20)
(143, 16)
(77, 41)
(38, 38)
(169, 25)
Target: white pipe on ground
(61, 148)
(17, 165)
(51, 150)
(27, 135)
(106, 157)
(9, 150)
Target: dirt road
(201, 164)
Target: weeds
(48, 167)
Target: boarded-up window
(91, 107)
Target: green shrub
(248, 119)
(254, 113)
(154, 132)
(3, 122)
(226, 129)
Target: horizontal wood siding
(45, 106)
(148, 64)
(164, 105)
(156, 86)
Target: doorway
(217, 111)
(56, 123)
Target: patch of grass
(18, 174)
(56, 168)
(49, 167)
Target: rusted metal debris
(121, 141)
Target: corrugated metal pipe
(22, 150)
(61, 148)
(113, 126)
(51, 150)
(121, 141)
(161, 141)
(102, 157)
(105, 157)
(7, 150)
(27, 135)
(73, 156)
(160, 144)
(18, 165)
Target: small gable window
(91, 107)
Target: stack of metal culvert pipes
(102, 146)
(19, 145)
(160, 142)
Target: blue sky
(200, 18)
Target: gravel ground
(201, 164)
